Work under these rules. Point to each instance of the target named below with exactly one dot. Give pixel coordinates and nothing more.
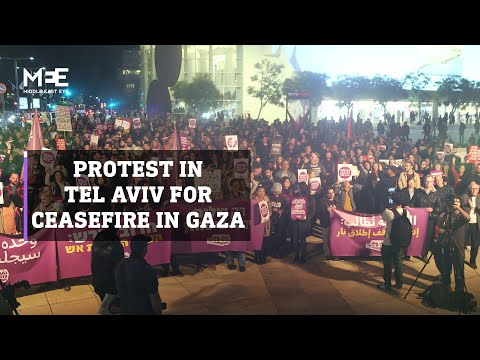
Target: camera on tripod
(449, 200)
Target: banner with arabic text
(32, 260)
(362, 235)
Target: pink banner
(74, 254)
(354, 234)
(219, 240)
(32, 260)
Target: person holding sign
(345, 197)
(302, 228)
(325, 207)
(261, 256)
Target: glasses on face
(474, 189)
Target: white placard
(264, 213)
(241, 169)
(232, 142)
(210, 178)
(302, 175)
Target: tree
(201, 94)
(415, 83)
(269, 89)
(313, 83)
(454, 91)
(385, 89)
(475, 98)
(348, 89)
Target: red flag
(349, 126)
(175, 138)
(35, 141)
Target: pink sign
(61, 145)
(184, 142)
(298, 208)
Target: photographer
(455, 220)
(473, 233)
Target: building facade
(230, 67)
(130, 79)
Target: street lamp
(111, 106)
(16, 75)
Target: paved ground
(278, 287)
(416, 131)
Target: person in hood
(107, 252)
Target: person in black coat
(302, 228)
(428, 198)
(409, 194)
(279, 220)
(324, 207)
(107, 252)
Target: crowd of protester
(386, 159)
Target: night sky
(92, 68)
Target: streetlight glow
(15, 67)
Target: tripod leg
(420, 273)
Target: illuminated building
(230, 68)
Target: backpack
(401, 231)
(437, 295)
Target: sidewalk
(278, 287)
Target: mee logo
(54, 77)
(4, 274)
